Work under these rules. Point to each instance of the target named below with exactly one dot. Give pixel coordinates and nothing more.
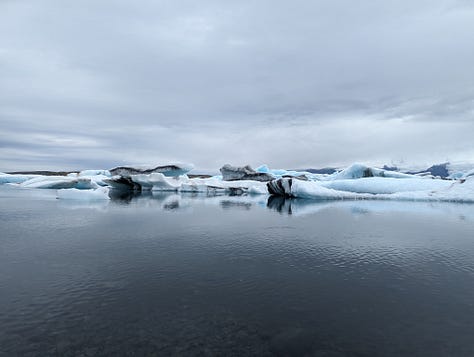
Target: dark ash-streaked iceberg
(235, 173)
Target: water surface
(227, 275)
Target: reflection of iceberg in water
(98, 205)
(280, 204)
(175, 201)
(303, 207)
(297, 206)
(227, 204)
(180, 201)
(119, 196)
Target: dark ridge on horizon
(323, 171)
(43, 173)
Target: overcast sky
(294, 84)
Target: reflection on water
(283, 205)
(190, 274)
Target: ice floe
(8, 178)
(171, 170)
(59, 182)
(279, 173)
(377, 188)
(355, 182)
(357, 171)
(234, 173)
(379, 185)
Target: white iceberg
(279, 173)
(458, 191)
(10, 178)
(91, 173)
(469, 173)
(97, 176)
(202, 185)
(378, 188)
(355, 182)
(380, 185)
(357, 171)
(59, 182)
(159, 182)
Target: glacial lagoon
(183, 274)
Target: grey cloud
(207, 81)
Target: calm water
(183, 275)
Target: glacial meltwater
(164, 275)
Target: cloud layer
(292, 84)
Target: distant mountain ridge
(323, 171)
(443, 170)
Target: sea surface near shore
(176, 274)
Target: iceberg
(171, 170)
(207, 185)
(357, 171)
(289, 187)
(12, 178)
(376, 188)
(458, 191)
(97, 176)
(470, 173)
(101, 193)
(234, 173)
(59, 182)
(160, 182)
(89, 173)
(122, 183)
(357, 181)
(380, 185)
(279, 173)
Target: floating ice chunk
(243, 186)
(257, 190)
(435, 190)
(162, 183)
(99, 179)
(233, 173)
(458, 169)
(96, 176)
(122, 183)
(279, 173)
(206, 185)
(458, 191)
(59, 182)
(94, 173)
(145, 181)
(8, 178)
(171, 170)
(210, 185)
(307, 189)
(263, 169)
(159, 182)
(101, 193)
(469, 173)
(379, 185)
(356, 171)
